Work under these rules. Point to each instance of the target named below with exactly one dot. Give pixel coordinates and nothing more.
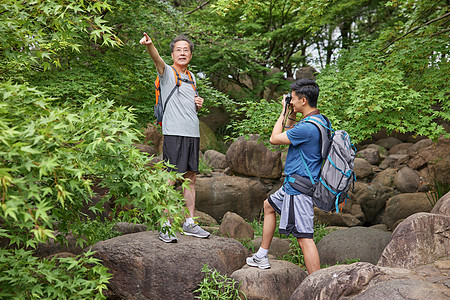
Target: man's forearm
(291, 120)
(279, 136)
(278, 127)
(154, 54)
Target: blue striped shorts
(296, 211)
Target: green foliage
(93, 231)
(255, 118)
(203, 167)
(363, 94)
(438, 190)
(51, 157)
(34, 31)
(217, 286)
(24, 276)
(295, 254)
(123, 74)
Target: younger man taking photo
(295, 208)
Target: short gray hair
(181, 38)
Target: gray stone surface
(278, 247)
(407, 180)
(442, 206)
(401, 289)
(146, 268)
(218, 195)
(363, 168)
(420, 239)
(215, 159)
(372, 199)
(276, 283)
(336, 282)
(404, 205)
(389, 142)
(362, 243)
(252, 158)
(369, 154)
(234, 226)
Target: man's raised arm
(154, 54)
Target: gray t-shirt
(180, 117)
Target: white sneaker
(167, 238)
(262, 263)
(195, 230)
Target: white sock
(189, 221)
(166, 224)
(262, 252)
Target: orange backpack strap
(160, 109)
(157, 89)
(192, 82)
(177, 76)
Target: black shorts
(181, 151)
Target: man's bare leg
(269, 225)
(189, 194)
(310, 254)
(189, 227)
(260, 259)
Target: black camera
(287, 99)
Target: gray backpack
(337, 172)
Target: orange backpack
(159, 108)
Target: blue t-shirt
(304, 136)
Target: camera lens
(288, 99)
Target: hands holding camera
(286, 102)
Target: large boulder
(276, 283)
(52, 247)
(424, 143)
(404, 205)
(420, 239)
(252, 158)
(442, 206)
(336, 282)
(234, 226)
(215, 159)
(216, 118)
(144, 267)
(370, 154)
(381, 150)
(372, 199)
(306, 72)
(218, 195)
(385, 177)
(207, 138)
(338, 219)
(407, 180)
(127, 228)
(362, 243)
(364, 281)
(436, 159)
(153, 136)
(400, 148)
(393, 160)
(363, 168)
(401, 289)
(389, 142)
(278, 247)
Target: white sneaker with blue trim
(262, 263)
